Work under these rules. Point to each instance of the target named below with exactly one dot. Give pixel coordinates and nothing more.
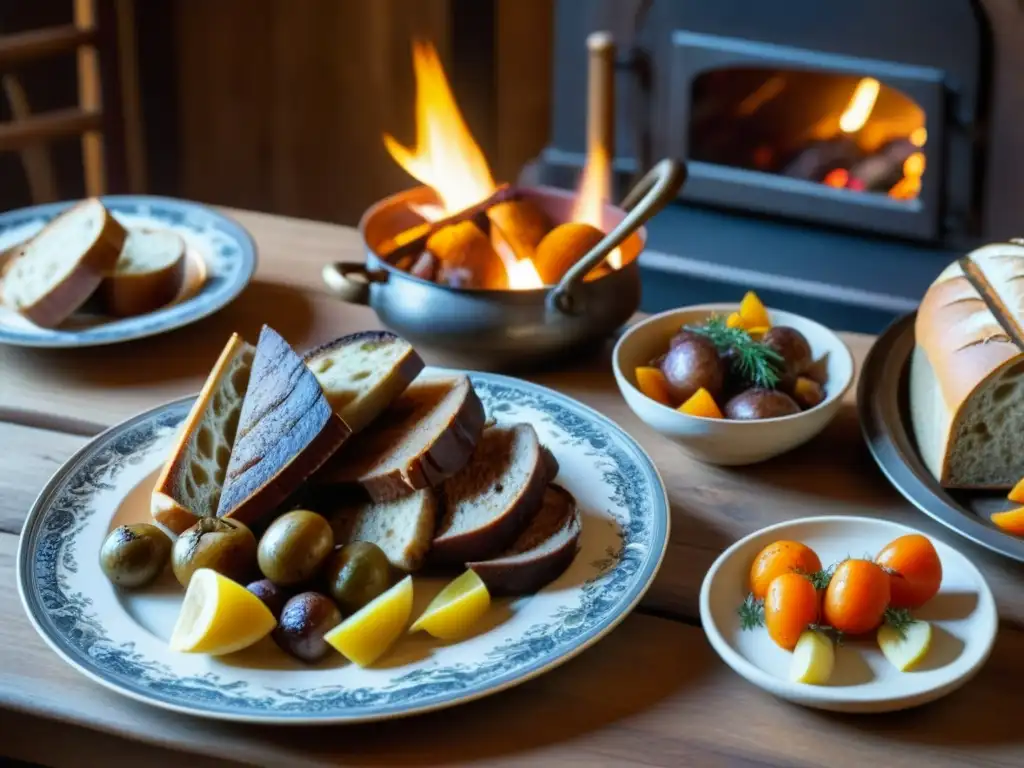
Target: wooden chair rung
(40, 43)
(47, 126)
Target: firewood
(522, 224)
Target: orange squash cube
(734, 320)
(701, 403)
(651, 381)
(1017, 494)
(753, 313)
(1011, 521)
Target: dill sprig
(751, 612)
(899, 619)
(756, 362)
(819, 579)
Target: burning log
(463, 247)
(563, 246)
(813, 162)
(882, 170)
(413, 239)
(522, 224)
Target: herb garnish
(756, 362)
(751, 612)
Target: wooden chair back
(107, 116)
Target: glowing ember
(861, 103)
(447, 158)
(593, 193)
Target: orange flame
(593, 193)
(447, 158)
(861, 104)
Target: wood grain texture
(680, 706)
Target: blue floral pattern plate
(221, 258)
(119, 638)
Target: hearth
(839, 154)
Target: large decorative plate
(119, 638)
(882, 403)
(221, 261)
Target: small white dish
(724, 441)
(963, 617)
(221, 260)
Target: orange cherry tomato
(789, 607)
(857, 597)
(777, 558)
(915, 570)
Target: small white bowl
(963, 618)
(725, 441)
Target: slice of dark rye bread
(286, 431)
(541, 553)
(424, 437)
(362, 373)
(490, 500)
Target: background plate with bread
(941, 399)
(112, 269)
(467, 484)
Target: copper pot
(507, 328)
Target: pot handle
(350, 281)
(653, 192)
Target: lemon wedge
(365, 635)
(456, 608)
(219, 616)
(813, 658)
(905, 650)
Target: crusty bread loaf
(967, 371)
(363, 372)
(402, 527)
(286, 431)
(148, 273)
(490, 500)
(424, 437)
(541, 552)
(62, 266)
(190, 483)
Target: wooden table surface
(652, 693)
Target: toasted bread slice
(541, 552)
(148, 273)
(189, 485)
(492, 499)
(402, 528)
(286, 430)
(60, 268)
(363, 372)
(423, 438)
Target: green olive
(294, 547)
(134, 555)
(356, 574)
(221, 544)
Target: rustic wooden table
(653, 692)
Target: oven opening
(850, 133)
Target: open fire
(855, 134)
(481, 234)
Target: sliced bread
(189, 485)
(363, 372)
(540, 553)
(402, 528)
(286, 431)
(148, 273)
(490, 500)
(423, 438)
(60, 268)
